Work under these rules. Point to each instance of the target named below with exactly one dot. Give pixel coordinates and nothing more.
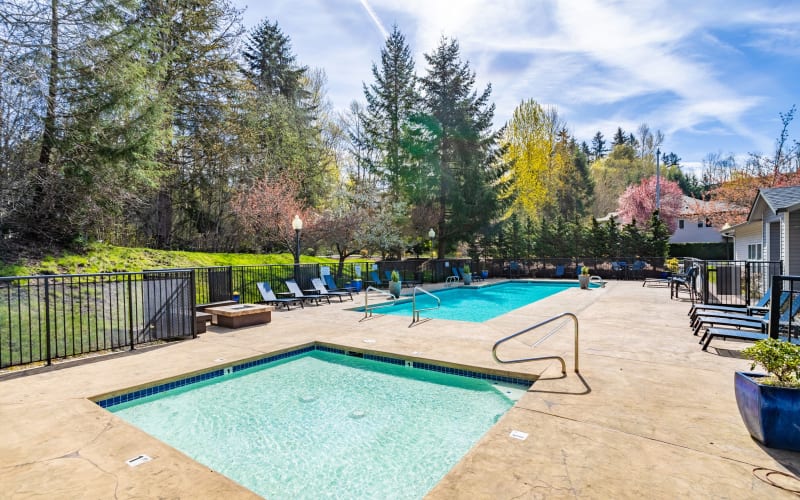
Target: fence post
(775, 306)
(130, 310)
(193, 303)
(747, 283)
(47, 319)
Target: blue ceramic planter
(771, 414)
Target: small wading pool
(313, 423)
(476, 304)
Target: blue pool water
(326, 425)
(478, 304)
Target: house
(692, 226)
(772, 230)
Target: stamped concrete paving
(650, 414)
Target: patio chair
(747, 322)
(295, 290)
(685, 281)
(760, 307)
(713, 333)
(319, 286)
(456, 272)
(559, 271)
(330, 284)
(268, 297)
(375, 280)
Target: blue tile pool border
(219, 372)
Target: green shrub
(781, 359)
(395, 276)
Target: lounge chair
(737, 312)
(789, 313)
(559, 271)
(375, 280)
(330, 284)
(456, 272)
(320, 288)
(268, 297)
(759, 306)
(295, 290)
(713, 333)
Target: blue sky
(712, 75)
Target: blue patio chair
(375, 280)
(330, 284)
(559, 271)
(785, 319)
(295, 290)
(759, 307)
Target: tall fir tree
(391, 100)
(466, 160)
(271, 64)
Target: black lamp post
(297, 225)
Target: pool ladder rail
(367, 309)
(539, 358)
(414, 311)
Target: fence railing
(43, 318)
(733, 282)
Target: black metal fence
(783, 321)
(733, 282)
(43, 318)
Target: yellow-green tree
(530, 139)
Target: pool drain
(307, 398)
(358, 414)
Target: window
(680, 223)
(754, 251)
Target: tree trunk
(48, 138)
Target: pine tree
(391, 100)
(465, 157)
(271, 65)
(619, 138)
(598, 146)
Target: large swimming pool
(478, 304)
(326, 425)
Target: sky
(712, 75)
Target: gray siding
(794, 244)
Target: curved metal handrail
(367, 310)
(537, 325)
(414, 311)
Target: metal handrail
(537, 325)
(367, 310)
(414, 311)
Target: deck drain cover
(137, 461)
(522, 436)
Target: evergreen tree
(466, 161)
(271, 65)
(619, 138)
(657, 236)
(598, 146)
(391, 100)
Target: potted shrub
(394, 284)
(466, 274)
(584, 278)
(770, 403)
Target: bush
(779, 358)
(395, 276)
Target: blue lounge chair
(760, 306)
(713, 332)
(319, 286)
(737, 313)
(559, 271)
(732, 318)
(331, 285)
(295, 290)
(375, 280)
(268, 297)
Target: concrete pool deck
(650, 415)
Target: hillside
(101, 258)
